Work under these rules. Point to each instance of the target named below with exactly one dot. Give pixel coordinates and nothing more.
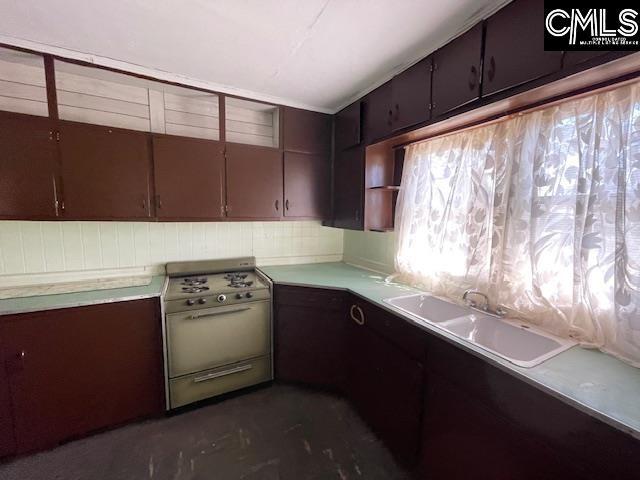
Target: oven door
(211, 337)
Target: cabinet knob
(277, 205)
(359, 318)
(473, 77)
(286, 204)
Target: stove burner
(235, 277)
(194, 282)
(240, 284)
(195, 289)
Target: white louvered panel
(20, 105)
(72, 82)
(190, 119)
(81, 100)
(250, 128)
(250, 139)
(22, 90)
(249, 116)
(156, 111)
(195, 132)
(108, 119)
(21, 73)
(197, 103)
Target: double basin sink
(514, 341)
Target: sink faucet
(499, 312)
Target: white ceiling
(317, 54)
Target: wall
(43, 252)
(371, 250)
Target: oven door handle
(195, 316)
(231, 371)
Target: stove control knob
(221, 298)
(202, 301)
(191, 301)
(238, 296)
(249, 295)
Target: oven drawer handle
(231, 371)
(195, 316)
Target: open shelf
(383, 172)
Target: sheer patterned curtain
(541, 211)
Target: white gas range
(218, 334)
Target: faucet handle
(501, 311)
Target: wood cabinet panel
(305, 131)
(77, 370)
(105, 172)
(456, 72)
(514, 47)
(306, 185)
(28, 167)
(463, 439)
(377, 113)
(254, 182)
(411, 95)
(348, 189)
(7, 440)
(348, 125)
(386, 387)
(189, 178)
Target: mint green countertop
(594, 382)
(10, 306)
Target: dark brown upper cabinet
(28, 167)
(305, 131)
(348, 126)
(105, 172)
(456, 72)
(189, 178)
(377, 113)
(348, 189)
(514, 47)
(411, 95)
(254, 182)
(306, 185)
(576, 58)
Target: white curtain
(541, 212)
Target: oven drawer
(204, 339)
(201, 385)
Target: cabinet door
(411, 95)
(385, 385)
(310, 337)
(7, 441)
(306, 185)
(456, 72)
(464, 439)
(305, 131)
(348, 189)
(377, 113)
(105, 172)
(189, 178)
(347, 126)
(77, 370)
(514, 47)
(254, 182)
(28, 167)
(575, 58)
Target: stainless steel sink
(520, 344)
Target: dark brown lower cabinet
(7, 440)
(73, 371)
(385, 385)
(310, 334)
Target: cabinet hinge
(57, 136)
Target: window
(541, 211)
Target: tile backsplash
(74, 250)
(373, 250)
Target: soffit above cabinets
(316, 54)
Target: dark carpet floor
(279, 432)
